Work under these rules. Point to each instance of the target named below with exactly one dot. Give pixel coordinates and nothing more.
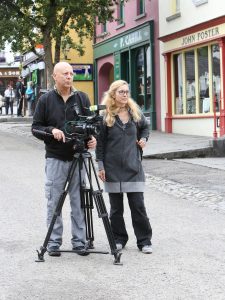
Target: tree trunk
(48, 62)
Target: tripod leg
(87, 205)
(101, 208)
(102, 213)
(57, 211)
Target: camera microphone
(96, 107)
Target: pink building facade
(128, 48)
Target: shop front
(128, 56)
(8, 76)
(195, 82)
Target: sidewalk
(171, 145)
(190, 149)
(195, 150)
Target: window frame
(197, 82)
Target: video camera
(83, 127)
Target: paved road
(188, 237)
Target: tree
(26, 23)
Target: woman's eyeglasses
(122, 92)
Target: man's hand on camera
(92, 143)
(58, 135)
(101, 174)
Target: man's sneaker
(147, 249)
(119, 246)
(54, 251)
(81, 250)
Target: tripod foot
(117, 256)
(40, 256)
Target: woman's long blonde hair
(111, 108)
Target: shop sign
(130, 39)
(200, 36)
(9, 73)
(122, 42)
(195, 38)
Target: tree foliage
(26, 23)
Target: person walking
(29, 95)
(9, 98)
(52, 110)
(123, 135)
(20, 91)
(1, 103)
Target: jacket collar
(72, 91)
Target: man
(20, 91)
(52, 109)
(9, 96)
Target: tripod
(84, 158)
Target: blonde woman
(124, 133)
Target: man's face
(63, 77)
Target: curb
(16, 119)
(203, 152)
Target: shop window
(190, 82)
(149, 79)
(144, 78)
(140, 78)
(216, 89)
(178, 88)
(140, 7)
(203, 80)
(197, 80)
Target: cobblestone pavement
(203, 198)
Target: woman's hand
(101, 175)
(142, 143)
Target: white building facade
(192, 47)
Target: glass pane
(203, 73)
(149, 80)
(190, 82)
(178, 84)
(140, 78)
(216, 74)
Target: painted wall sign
(117, 66)
(82, 72)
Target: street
(186, 209)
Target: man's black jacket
(52, 112)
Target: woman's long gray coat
(117, 152)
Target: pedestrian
(51, 111)
(1, 103)
(123, 134)
(29, 95)
(20, 92)
(9, 99)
